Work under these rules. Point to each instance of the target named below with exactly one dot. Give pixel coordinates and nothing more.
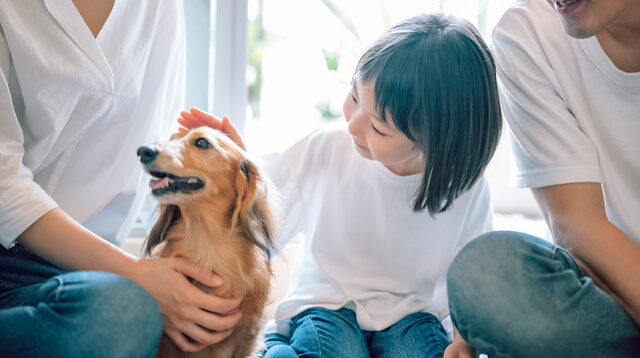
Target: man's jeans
(46, 312)
(515, 295)
(319, 332)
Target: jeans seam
(315, 330)
(59, 288)
(434, 332)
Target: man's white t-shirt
(74, 109)
(362, 245)
(574, 116)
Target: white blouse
(75, 108)
(362, 245)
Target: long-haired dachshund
(218, 212)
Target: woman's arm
(578, 221)
(62, 241)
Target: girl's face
(375, 139)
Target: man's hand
(459, 348)
(188, 311)
(196, 118)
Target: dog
(217, 211)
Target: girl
(385, 203)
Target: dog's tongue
(160, 183)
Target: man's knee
(491, 253)
(486, 269)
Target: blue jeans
(515, 295)
(46, 312)
(319, 332)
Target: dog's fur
(226, 226)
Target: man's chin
(581, 19)
(578, 32)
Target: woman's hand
(188, 311)
(196, 118)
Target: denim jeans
(515, 295)
(46, 312)
(319, 332)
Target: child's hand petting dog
(188, 310)
(196, 118)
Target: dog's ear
(168, 216)
(255, 208)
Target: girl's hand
(196, 118)
(186, 310)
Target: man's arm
(576, 215)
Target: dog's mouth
(164, 183)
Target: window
(302, 54)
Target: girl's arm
(459, 348)
(576, 215)
(59, 239)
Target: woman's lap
(47, 312)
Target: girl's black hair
(435, 77)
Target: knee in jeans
(322, 330)
(488, 252)
(476, 257)
(483, 267)
(131, 311)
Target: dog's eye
(202, 143)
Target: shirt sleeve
(22, 201)
(547, 142)
(282, 174)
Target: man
(570, 82)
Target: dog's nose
(147, 154)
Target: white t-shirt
(362, 245)
(74, 109)
(574, 116)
